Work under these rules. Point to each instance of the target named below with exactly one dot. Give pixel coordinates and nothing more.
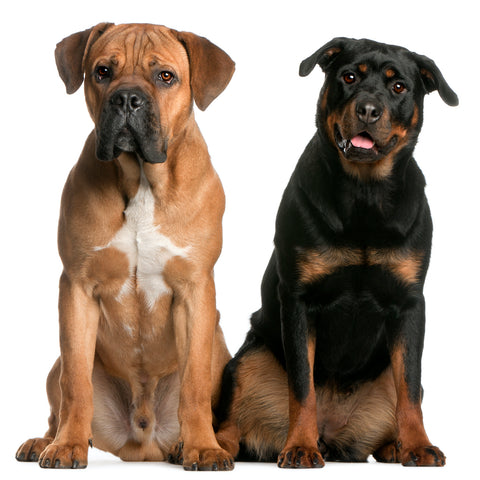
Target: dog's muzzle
(364, 135)
(128, 123)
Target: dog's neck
(187, 159)
(348, 200)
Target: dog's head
(371, 104)
(140, 83)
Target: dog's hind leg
(257, 412)
(30, 450)
(228, 434)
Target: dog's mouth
(363, 147)
(124, 142)
(129, 122)
(114, 138)
(363, 140)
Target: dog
(330, 369)
(142, 352)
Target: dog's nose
(368, 111)
(128, 101)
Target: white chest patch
(146, 248)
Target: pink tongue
(362, 142)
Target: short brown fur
(152, 371)
(364, 417)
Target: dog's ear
(433, 79)
(323, 57)
(70, 55)
(210, 68)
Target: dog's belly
(354, 310)
(134, 343)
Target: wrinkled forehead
(137, 45)
(372, 56)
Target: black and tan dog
(330, 369)
(142, 353)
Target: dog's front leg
(413, 444)
(79, 314)
(301, 448)
(195, 318)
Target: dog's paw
(215, 459)
(64, 456)
(192, 459)
(175, 455)
(30, 451)
(387, 453)
(428, 456)
(300, 457)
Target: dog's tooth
(343, 145)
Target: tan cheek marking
(323, 104)
(400, 131)
(384, 167)
(332, 119)
(342, 118)
(415, 117)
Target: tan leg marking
(414, 446)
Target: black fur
(360, 312)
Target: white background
(256, 130)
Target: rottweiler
(331, 367)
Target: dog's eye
(103, 72)
(349, 78)
(399, 87)
(166, 77)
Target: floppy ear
(70, 54)
(323, 57)
(433, 79)
(210, 68)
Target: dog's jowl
(331, 367)
(142, 352)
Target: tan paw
(192, 459)
(64, 456)
(428, 456)
(30, 451)
(300, 457)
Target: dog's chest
(147, 249)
